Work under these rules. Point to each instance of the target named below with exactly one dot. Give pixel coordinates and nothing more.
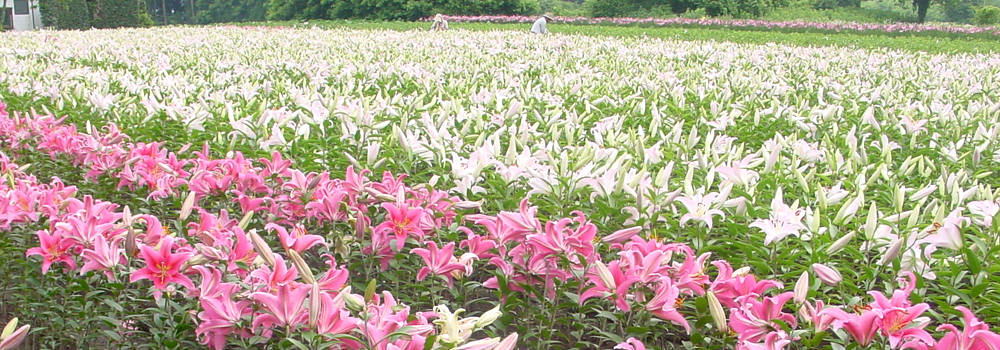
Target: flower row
(740, 23)
(242, 280)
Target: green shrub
(987, 15)
(562, 8)
(695, 13)
(611, 8)
(65, 14)
(736, 8)
(221, 11)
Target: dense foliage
(66, 14)
(86, 14)
(394, 9)
(987, 15)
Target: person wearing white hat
(539, 26)
(439, 23)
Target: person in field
(439, 23)
(539, 26)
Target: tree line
(85, 14)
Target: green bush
(736, 8)
(222, 11)
(562, 8)
(987, 15)
(116, 13)
(65, 14)
(611, 8)
(809, 11)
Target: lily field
(307, 188)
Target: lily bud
(923, 193)
(300, 265)
(263, 250)
(14, 338)
(197, 259)
(186, 207)
(370, 291)
(9, 328)
(246, 220)
(385, 198)
(893, 252)
(488, 317)
(871, 221)
(718, 314)
(314, 305)
(801, 290)
(488, 343)
(622, 235)
(353, 302)
(605, 275)
(131, 247)
(827, 274)
(508, 343)
(740, 272)
(211, 253)
(840, 243)
(467, 205)
(127, 217)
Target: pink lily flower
(285, 308)
(754, 319)
(54, 248)
(439, 261)
(275, 166)
(901, 324)
(975, 336)
(162, 266)
(773, 341)
(355, 182)
(481, 246)
(631, 344)
(241, 252)
(220, 317)
(898, 320)
(390, 185)
(560, 239)
(333, 317)
(617, 284)
(281, 275)
(862, 328)
(402, 222)
(820, 321)
(104, 257)
(519, 224)
(335, 278)
(664, 304)
(728, 288)
(298, 240)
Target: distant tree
(637, 8)
(222, 11)
(116, 13)
(86, 14)
(921, 6)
